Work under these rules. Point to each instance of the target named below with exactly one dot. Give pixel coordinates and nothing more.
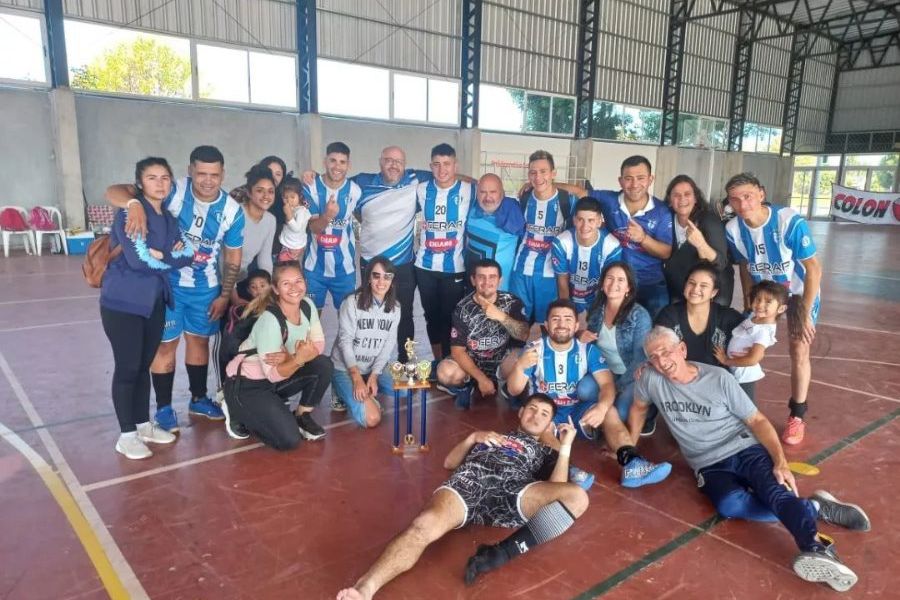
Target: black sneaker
(649, 427)
(822, 565)
(844, 514)
(234, 429)
(308, 427)
(486, 558)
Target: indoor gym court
(209, 517)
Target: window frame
(528, 93)
(45, 55)
(427, 78)
(623, 107)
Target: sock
(142, 425)
(162, 387)
(797, 410)
(128, 434)
(625, 454)
(197, 375)
(549, 522)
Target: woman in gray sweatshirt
(366, 340)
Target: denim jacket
(630, 335)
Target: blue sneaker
(204, 407)
(640, 471)
(167, 419)
(463, 399)
(581, 478)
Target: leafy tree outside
(143, 66)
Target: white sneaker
(133, 447)
(149, 432)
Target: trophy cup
(423, 370)
(409, 377)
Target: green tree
(143, 66)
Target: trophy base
(410, 449)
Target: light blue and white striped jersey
(332, 253)
(557, 373)
(387, 215)
(543, 222)
(441, 238)
(209, 226)
(584, 263)
(774, 250)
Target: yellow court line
(82, 528)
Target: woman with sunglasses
(366, 340)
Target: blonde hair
(258, 305)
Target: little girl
(750, 339)
(296, 217)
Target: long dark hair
(700, 204)
(630, 298)
(364, 295)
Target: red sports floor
(213, 518)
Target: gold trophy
(397, 372)
(423, 370)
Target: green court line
(695, 531)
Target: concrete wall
(607, 163)
(114, 133)
(27, 161)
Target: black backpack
(565, 204)
(238, 329)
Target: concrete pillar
(64, 121)
(582, 153)
(310, 149)
(468, 152)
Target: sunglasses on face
(385, 276)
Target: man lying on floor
(501, 481)
(735, 453)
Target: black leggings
(440, 293)
(261, 406)
(134, 342)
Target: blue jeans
(653, 296)
(342, 385)
(588, 388)
(743, 486)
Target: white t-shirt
(680, 233)
(743, 337)
(293, 234)
(606, 341)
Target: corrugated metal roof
(24, 4)
(846, 20)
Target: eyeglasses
(385, 276)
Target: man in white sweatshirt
(366, 339)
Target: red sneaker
(793, 433)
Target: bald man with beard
(494, 228)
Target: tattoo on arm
(517, 329)
(230, 273)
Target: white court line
(48, 325)
(840, 358)
(8, 302)
(202, 459)
(866, 275)
(851, 328)
(840, 387)
(116, 558)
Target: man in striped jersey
(555, 364)
(774, 242)
(214, 222)
(547, 214)
(579, 255)
(330, 264)
(440, 269)
(386, 211)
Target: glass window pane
(340, 86)
(650, 122)
(537, 113)
(832, 160)
(500, 108)
(804, 160)
(443, 101)
(273, 79)
(604, 120)
(688, 130)
(223, 73)
(630, 124)
(855, 178)
(111, 59)
(718, 138)
(410, 97)
(751, 132)
(21, 37)
(822, 203)
(562, 119)
(867, 160)
(775, 140)
(881, 180)
(800, 190)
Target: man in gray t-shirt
(735, 453)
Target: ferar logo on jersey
(443, 225)
(764, 269)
